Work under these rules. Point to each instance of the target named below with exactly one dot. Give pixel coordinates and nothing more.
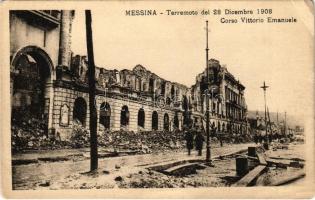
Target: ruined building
(50, 85)
(228, 109)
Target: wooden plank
(249, 178)
(249, 157)
(296, 164)
(178, 167)
(285, 164)
(161, 166)
(272, 162)
(286, 180)
(281, 158)
(23, 161)
(262, 159)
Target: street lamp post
(264, 87)
(208, 152)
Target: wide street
(45, 174)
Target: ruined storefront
(49, 87)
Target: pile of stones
(143, 142)
(30, 134)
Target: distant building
(299, 129)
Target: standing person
(189, 137)
(270, 137)
(220, 136)
(262, 134)
(256, 137)
(199, 142)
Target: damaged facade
(49, 84)
(228, 109)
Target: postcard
(157, 99)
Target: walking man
(189, 137)
(199, 142)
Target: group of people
(261, 136)
(194, 136)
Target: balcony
(47, 19)
(52, 13)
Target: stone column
(49, 94)
(133, 116)
(65, 43)
(161, 120)
(148, 118)
(116, 115)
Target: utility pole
(92, 88)
(285, 123)
(264, 87)
(269, 121)
(208, 152)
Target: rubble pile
(241, 138)
(80, 136)
(145, 142)
(142, 141)
(28, 133)
(232, 138)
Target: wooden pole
(91, 75)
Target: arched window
(218, 107)
(185, 103)
(213, 125)
(141, 117)
(163, 87)
(124, 116)
(213, 107)
(228, 127)
(33, 67)
(138, 84)
(105, 113)
(176, 121)
(155, 121)
(166, 122)
(168, 101)
(173, 92)
(151, 85)
(79, 111)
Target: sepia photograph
(159, 95)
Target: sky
(173, 47)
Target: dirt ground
(132, 171)
(113, 171)
(218, 176)
(294, 151)
(222, 174)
